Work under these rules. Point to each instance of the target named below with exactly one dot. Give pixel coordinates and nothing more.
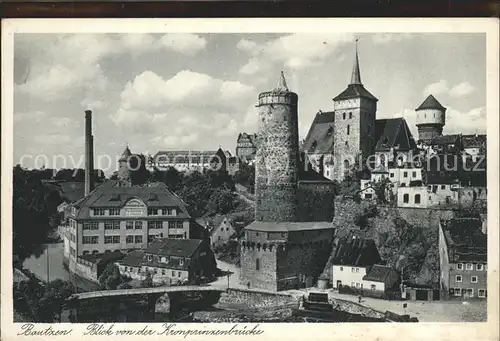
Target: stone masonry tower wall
(277, 156)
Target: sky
(188, 91)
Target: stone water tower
(431, 117)
(276, 162)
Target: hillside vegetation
(407, 239)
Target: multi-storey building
(246, 147)
(194, 161)
(463, 258)
(113, 217)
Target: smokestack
(89, 152)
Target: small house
(222, 231)
(380, 281)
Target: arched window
(348, 129)
(406, 198)
(382, 159)
(346, 164)
(417, 198)
(343, 116)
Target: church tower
(276, 161)
(430, 119)
(124, 166)
(354, 124)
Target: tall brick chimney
(89, 152)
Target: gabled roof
(174, 247)
(393, 133)
(355, 91)
(320, 137)
(464, 240)
(445, 139)
(377, 273)
(430, 103)
(110, 195)
(356, 252)
(473, 141)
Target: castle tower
(354, 124)
(431, 117)
(89, 153)
(277, 155)
(123, 166)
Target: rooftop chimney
(89, 152)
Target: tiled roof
(287, 226)
(109, 195)
(354, 91)
(430, 103)
(174, 247)
(377, 273)
(473, 141)
(103, 257)
(465, 240)
(445, 139)
(393, 133)
(320, 137)
(133, 258)
(356, 252)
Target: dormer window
(181, 262)
(149, 258)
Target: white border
(289, 331)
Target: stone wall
(265, 277)
(316, 200)
(276, 162)
(255, 298)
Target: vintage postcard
(331, 174)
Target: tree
(221, 201)
(383, 191)
(110, 278)
(246, 176)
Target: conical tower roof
(282, 87)
(431, 103)
(126, 154)
(356, 74)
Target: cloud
(295, 51)
(186, 43)
(437, 88)
(184, 109)
(30, 116)
(53, 139)
(385, 38)
(246, 45)
(462, 89)
(59, 66)
(442, 87)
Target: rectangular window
(94, 225)
(257, 264)
(72, 251)
(392, 175)
(481, 293)
(443, 186)
(86, 226)
(352, 284)
(470, 292)
(181, 262)
(129, 240)
(372, 287)
(173, 273)
(167, 211)
(341, 269)
(179, 274)
(480, 267)
(357, 285)
(357, 269)
(163, 272)
(138, 225)
(138, 239)
(179, 224)
(473, 279)
(108, 240)
(406, 198)
(99, 211)
(469, 266)
(129, 225)
(460, 266)
(458, 278)
(155, 224)
(405, 174)
(353, 269)
(108, 225)
(414, 174)
(457, 292)
(152, 211)
(114, 211)
(116, 225)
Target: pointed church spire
(356, 75)
(281, 83)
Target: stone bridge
(138, 305)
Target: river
(52, 268)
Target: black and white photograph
(248, 177)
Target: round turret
(431, 118)
(277, 155)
